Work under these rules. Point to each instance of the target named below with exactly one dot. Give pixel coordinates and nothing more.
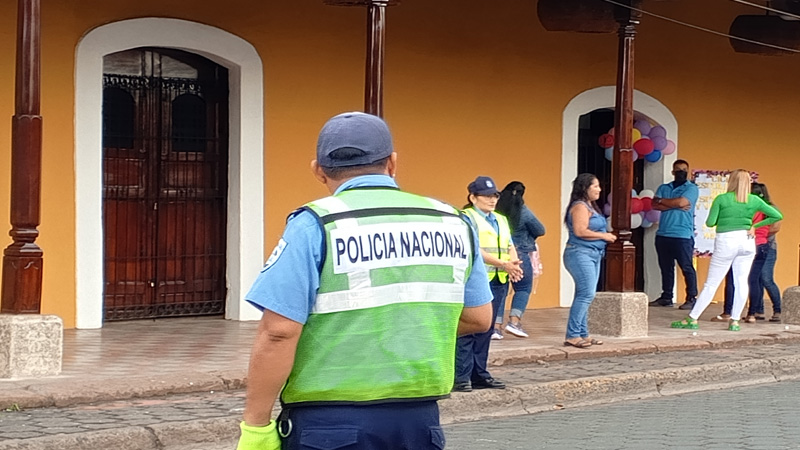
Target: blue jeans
(767, 278)
(472, 350)
(522, 289)
(388, 426)
(671, 250)
(754, 281)
(583, 264)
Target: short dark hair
(680, 161)
(344, 154)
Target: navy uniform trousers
(472, 350)
(386, 426)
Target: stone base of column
(790, 306)
(31, 345)
(619, 314)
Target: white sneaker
(516, 330)
(496, 336)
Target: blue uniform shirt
(288, 283)
(675, 222)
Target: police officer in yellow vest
(502, 265)
(363, 298)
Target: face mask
(680, 176)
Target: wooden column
(621, 255)
(22, 260)
(376, 25)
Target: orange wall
(472, 87)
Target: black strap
(386, 211)
(323, 242)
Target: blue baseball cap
(483, 186)
(367, 135)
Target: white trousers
(731, 249)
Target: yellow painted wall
(472, 87)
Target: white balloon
(647, 193)
(636, 221)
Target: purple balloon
(643, 126)
(659, 142)
(656, 131)
(653, 215)
(607, 209)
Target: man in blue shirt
(354, 152)
(675, 235)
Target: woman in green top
(734, 246)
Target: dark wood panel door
(165, 116)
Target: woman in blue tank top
(586, 246)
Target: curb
(477, 405)
(60, 392)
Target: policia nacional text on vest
(383, 325)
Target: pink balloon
(669, 149)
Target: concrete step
(179, 422)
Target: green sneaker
(687, 323)
(734, 326)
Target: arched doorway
(591, 159)
(245, 196)
(654, 174)
(165, 159)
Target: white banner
(710, 183)
(366, 247)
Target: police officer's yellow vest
(492, 242)
(383, 325)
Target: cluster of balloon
(642, 212)
(649, 142)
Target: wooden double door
(165, 162)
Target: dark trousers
(472, 350)
(672, 250)
(754, 281)
(757, 281)
(388, 426)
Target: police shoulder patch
(276, 253)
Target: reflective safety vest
(383, 324)
(492, 242)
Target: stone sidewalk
(177, 422)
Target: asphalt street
(765, 417)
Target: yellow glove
(259, 438)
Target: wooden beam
(22, 260)
(768, 29)
(582, 16)
(621, 255)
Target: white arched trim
(655, 174)
(245, 230)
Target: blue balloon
(609, 153)
(654, 156)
